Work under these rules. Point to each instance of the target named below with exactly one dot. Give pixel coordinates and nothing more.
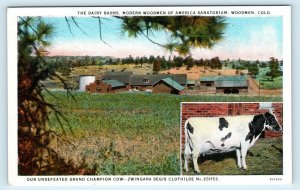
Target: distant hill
(199, 71)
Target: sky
(248, 38)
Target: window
(231, 91)
(227, 91)
(235, 91)
(146, 80)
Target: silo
(85, 80)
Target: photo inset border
(232, 138)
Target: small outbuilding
(191, 84)
(106, 86)
(167, 85)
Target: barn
(232, 87)
(207, 82)
(112, 82)
(225, 84)
(146, 82)
(141, 82)
(123, 76)
(167, 85)
(106, 86)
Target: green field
(125, 134)
(265, 82)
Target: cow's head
(272, 122)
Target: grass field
(266, 82)
(265, 158)
(125, 134)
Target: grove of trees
(253, 67)
(63, 64)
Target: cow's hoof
(197, 172)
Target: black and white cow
(209, 135)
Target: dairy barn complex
(124, 81)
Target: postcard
(172, 95)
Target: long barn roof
(120, 76)
(227, 81)
(224, 78)
(150, 80)
(231, 84)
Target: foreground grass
(265, 158)
(125, 134)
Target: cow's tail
(187, 148)
(187, 145)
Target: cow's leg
(195, 161)
(244, 150)
(186, 162)
(238, 156)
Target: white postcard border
(14, 179)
